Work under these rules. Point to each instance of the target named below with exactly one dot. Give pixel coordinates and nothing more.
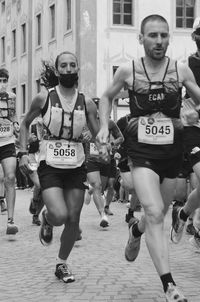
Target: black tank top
(147, 97)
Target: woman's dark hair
(62, 53)
(48, 77)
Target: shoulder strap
(133, 66)
(166, 69)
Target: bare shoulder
(40, 99)
(90, 104)
(11, 95)
(183, 70)
(125, 70)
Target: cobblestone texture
(101, 271)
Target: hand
(86, 136)
(24, 165)
(102, 135)
(190, 117)
(101, 142)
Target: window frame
(14, 43)
(23, 38)
(38, 30)
(23, 97)
(184, 17)
(68, 23)
(3, 49)
(133, 9)
(52, 33)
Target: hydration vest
(53, 117)
(7, 106)
(148, 97)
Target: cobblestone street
(101, 271)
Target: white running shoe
(195, 240)
(173, 294)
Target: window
(23, 98)
(38, 87)
(3, 50)
(69, 15)
(52, 21)
(185, 10)
(23, 28)
(14, 43)
(114, 69)
(38, 30)
(14, 90)
(3, 6)
(122, 12)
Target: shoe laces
(64, 269)
(173, 293)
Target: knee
(10, 179)
(59, 218)
(74, 216)
(154, 215)
(97, 186)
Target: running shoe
(190, 229)
(33, 206)
(63, 273)
(133, 245)
(104, 221)
(46, 231)
(108, 211)
(173, 294)
(36, 220)
(195, 240)
(3, 206)
(178, 224)
(12, 229)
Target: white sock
(59, 260)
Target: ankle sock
(135, 231)
(165, 279)
(183, 215)
(60, 261)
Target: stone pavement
(101, 271)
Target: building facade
(103, 34)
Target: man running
(153, 139)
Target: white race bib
(93, 149)
(6, 128)
(58, 152)
(155, 131)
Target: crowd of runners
(73, 152)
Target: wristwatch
(20, 154)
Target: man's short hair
(4, 73)
(152, 18)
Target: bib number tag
(155, 131)
(93, 149)
(61, 152)
(6, 129)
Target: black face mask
(68, 80)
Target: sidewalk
(101, 271)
